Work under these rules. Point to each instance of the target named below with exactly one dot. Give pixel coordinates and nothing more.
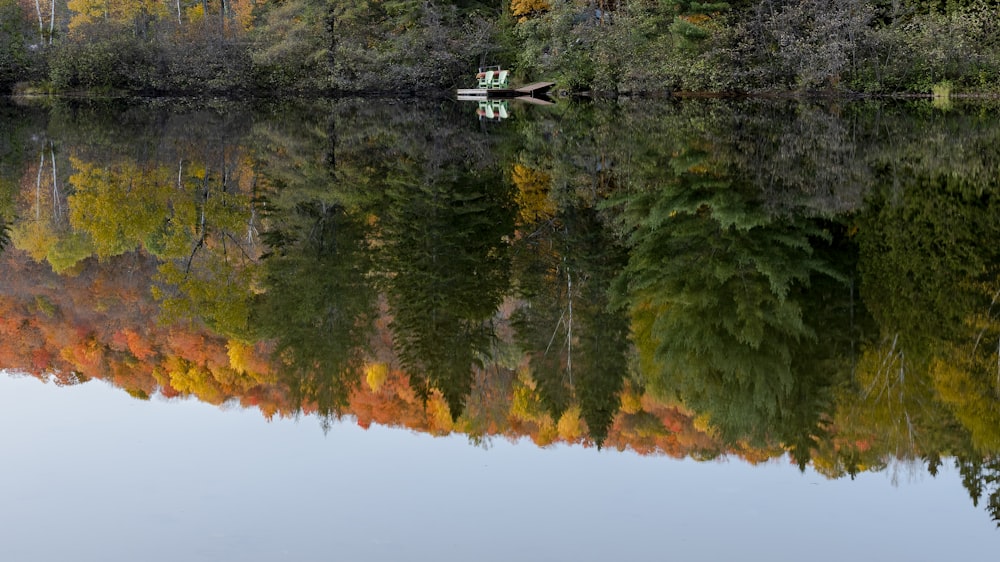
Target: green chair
(501, 79)
(487, 80)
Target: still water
(415, 330)
(91, 475)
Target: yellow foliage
(243, 12)
(703, 423)
(197, 169)
(546, 434)
(439, 414)
(119, 11)
(533, 199)
(239, 354)
(191, 379)
(522, 9)
(375, 375)
(631, 401)
(118, 205)
(526, 404)
(34, 237)
(973, 398)
(87, 11)
(195, 14)
(569, 426)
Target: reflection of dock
(533, 93)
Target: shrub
(106, 61)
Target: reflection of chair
(487, 80)
(501, 79)
(492, 110)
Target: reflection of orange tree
(99, 325)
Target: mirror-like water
(631, 309)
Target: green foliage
(199, 64)
(730, 297)
(111, 60)
(13, 45)
(4, 234)
(291, 51)
(558, 46)
(407, 46)
(960, 46)
(804, 45)
(318, 304)
(447, 270)
(70, 250)
(981, 478)
(927, 249)
(19, 123)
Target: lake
(431, 330)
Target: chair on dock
(487, 80)
(501, 79)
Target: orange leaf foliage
(523, 9)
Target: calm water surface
(382, 331)
(90, 474)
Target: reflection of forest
(698, 279)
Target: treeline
(238, 47)
(282, 47)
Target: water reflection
(692, 279)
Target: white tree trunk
(56, 207)
(41, 26)
(52, 21)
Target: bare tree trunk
(52, 21)
(178, 12)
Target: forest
(278, 48)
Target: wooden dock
(536, 90)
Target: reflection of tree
(318, 304)
(924, 247)
(929, 276)
(209, 249)
(447, 270)
(981, 477)
(740, 298)
(170, 185)
(45, 233)
(119, 205)
(575, 341)
(721, 296)
(4, 234)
